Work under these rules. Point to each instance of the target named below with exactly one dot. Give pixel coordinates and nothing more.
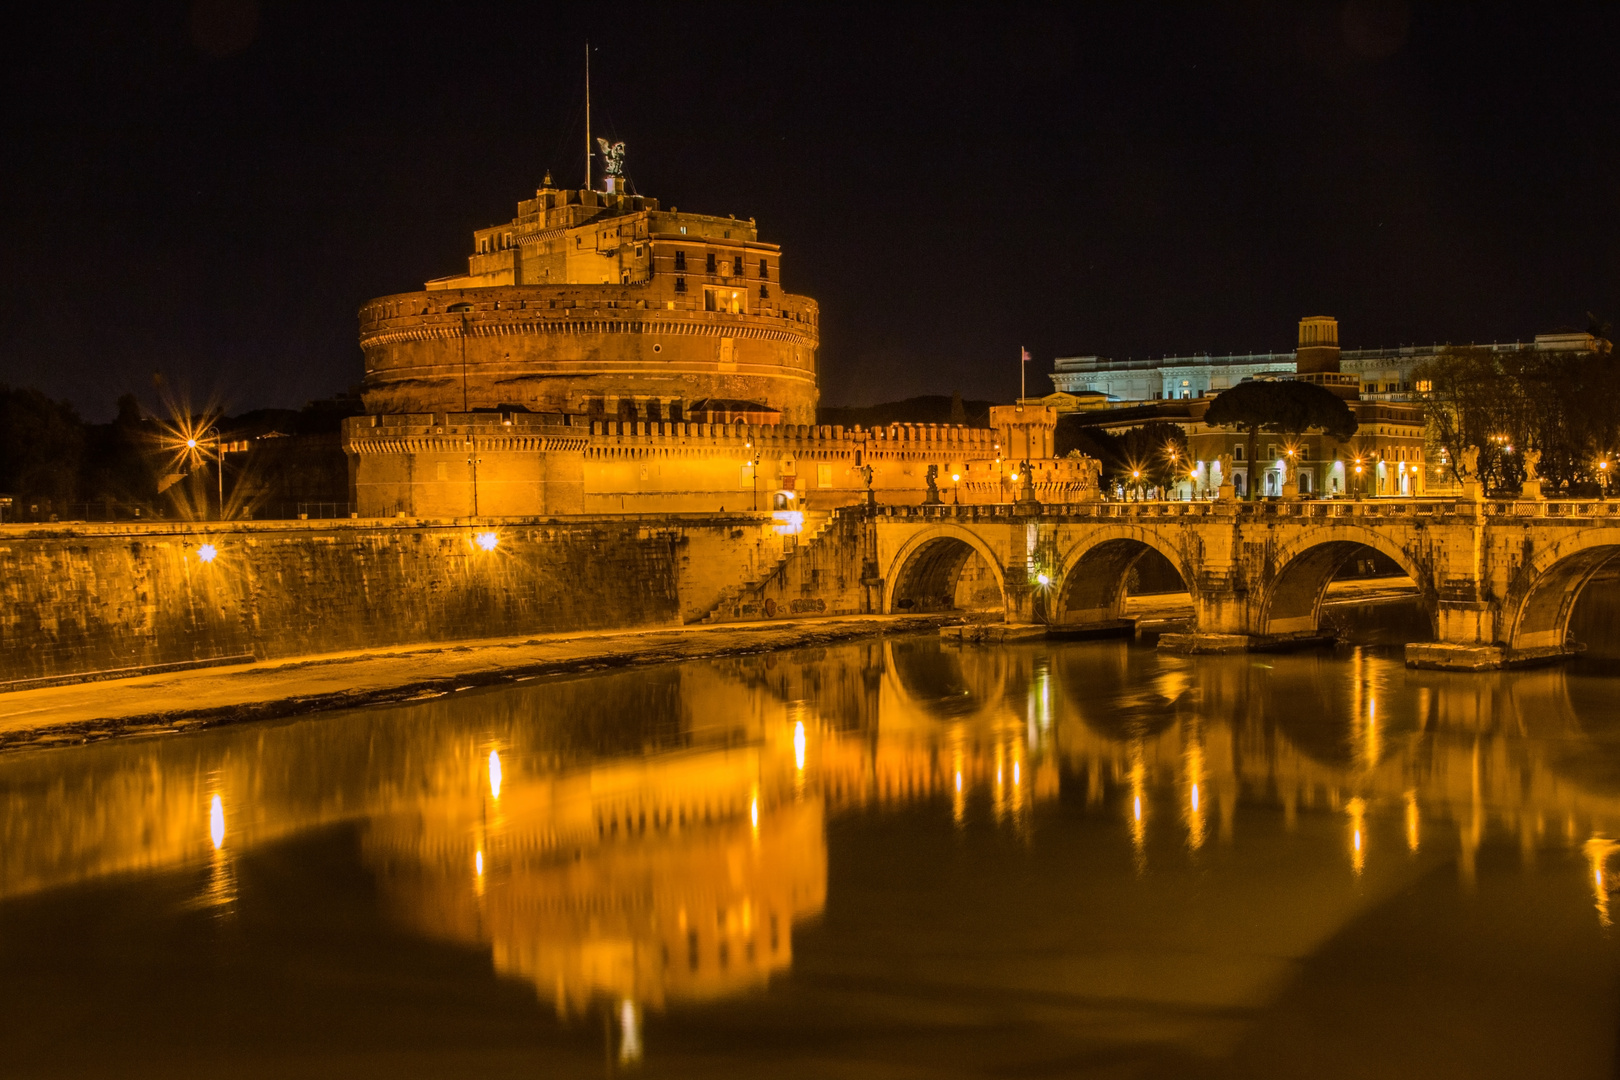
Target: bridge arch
(925, 572)
(1539, 610)
(1291, 602)
(1094, 571)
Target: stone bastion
(584, 349)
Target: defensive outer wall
(1498, 579)
(511, 463)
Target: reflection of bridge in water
(654, 836)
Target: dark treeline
(50, 455)
(55, 464)
(1148, 455)
(1558, 405)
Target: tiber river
(885, 859)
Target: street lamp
(753, 471)
(956, 491)
(1603, 476)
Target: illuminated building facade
(599, 304)
(1382, 374)
(1385, 458)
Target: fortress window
(736, 267)
(764, 269)
(710, 266)
(680, 260)
(764, 292)
(680, 284)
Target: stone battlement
(509, 309)
(512, 463)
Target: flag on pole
(1021, 391)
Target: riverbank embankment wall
(82, 599)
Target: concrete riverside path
(201, 697)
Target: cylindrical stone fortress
(601, 304)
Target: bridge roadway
(1497, 578)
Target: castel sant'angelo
(604, 355)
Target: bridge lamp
(486, 540)
(1043, 580)
(206, 553)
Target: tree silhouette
(1286, 407)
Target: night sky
(210, 191)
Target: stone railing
(1341, 510)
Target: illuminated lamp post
(753, 470)
(956, 491)
(1603, 477)
(1361, 484)
(195, 444)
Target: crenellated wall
(424, 464)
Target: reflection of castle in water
(654, 836)
(639, 881)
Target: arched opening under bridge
(1367, 591)
(1572, 597)
(1100, 582)
(946, 571)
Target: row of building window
(709, 304)
(1303, 453)
(711, 265)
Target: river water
(889, 859)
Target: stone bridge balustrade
(1497, 578)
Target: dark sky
(211, 190)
